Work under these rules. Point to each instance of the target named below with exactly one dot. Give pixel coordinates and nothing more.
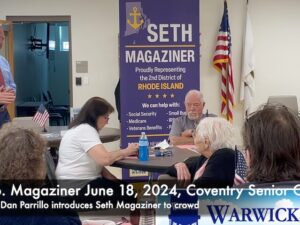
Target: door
(42, 71)
(7, 52)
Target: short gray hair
(219, 132)
(194, 92)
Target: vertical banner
(159, 63)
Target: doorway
(42, 65)
(7, 52)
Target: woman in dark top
(216, 165)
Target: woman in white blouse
(82, 156)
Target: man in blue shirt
(7, 85)
(182, 129)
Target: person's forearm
(175, 140)
(12, 84)
(115, 156)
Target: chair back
(73, 113)
(51, 167)
(289, 101)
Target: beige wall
(95, 39)
(276, 31)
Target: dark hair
(21, 154)
(90, 112)
(272, 137)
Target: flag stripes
(222, 61)
(41, 116)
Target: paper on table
(162, 145)
(49, 135)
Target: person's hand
(183, 174)
(132, 149)
(238, 180)
(7, 97)
(187, 133)
(10, 90)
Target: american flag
(41, 116)
(222, 61)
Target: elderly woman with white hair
(216, 166)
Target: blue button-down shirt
(8, 79)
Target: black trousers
(4, 117)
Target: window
(65, 46)
(51, 45)
(64, 38)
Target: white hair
(218, 131)
(194, 92)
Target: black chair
(56, 113)
(62, 109)
(51, 167)
(54, 117)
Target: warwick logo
(135, 14)
(221, 214)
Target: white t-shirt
(74, 161)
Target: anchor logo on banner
(135, 14)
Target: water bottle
(143, 147)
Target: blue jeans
(4, 117)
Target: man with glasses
(184, 126)
(7, 85)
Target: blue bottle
(143, 147)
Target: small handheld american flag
(41, 116)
